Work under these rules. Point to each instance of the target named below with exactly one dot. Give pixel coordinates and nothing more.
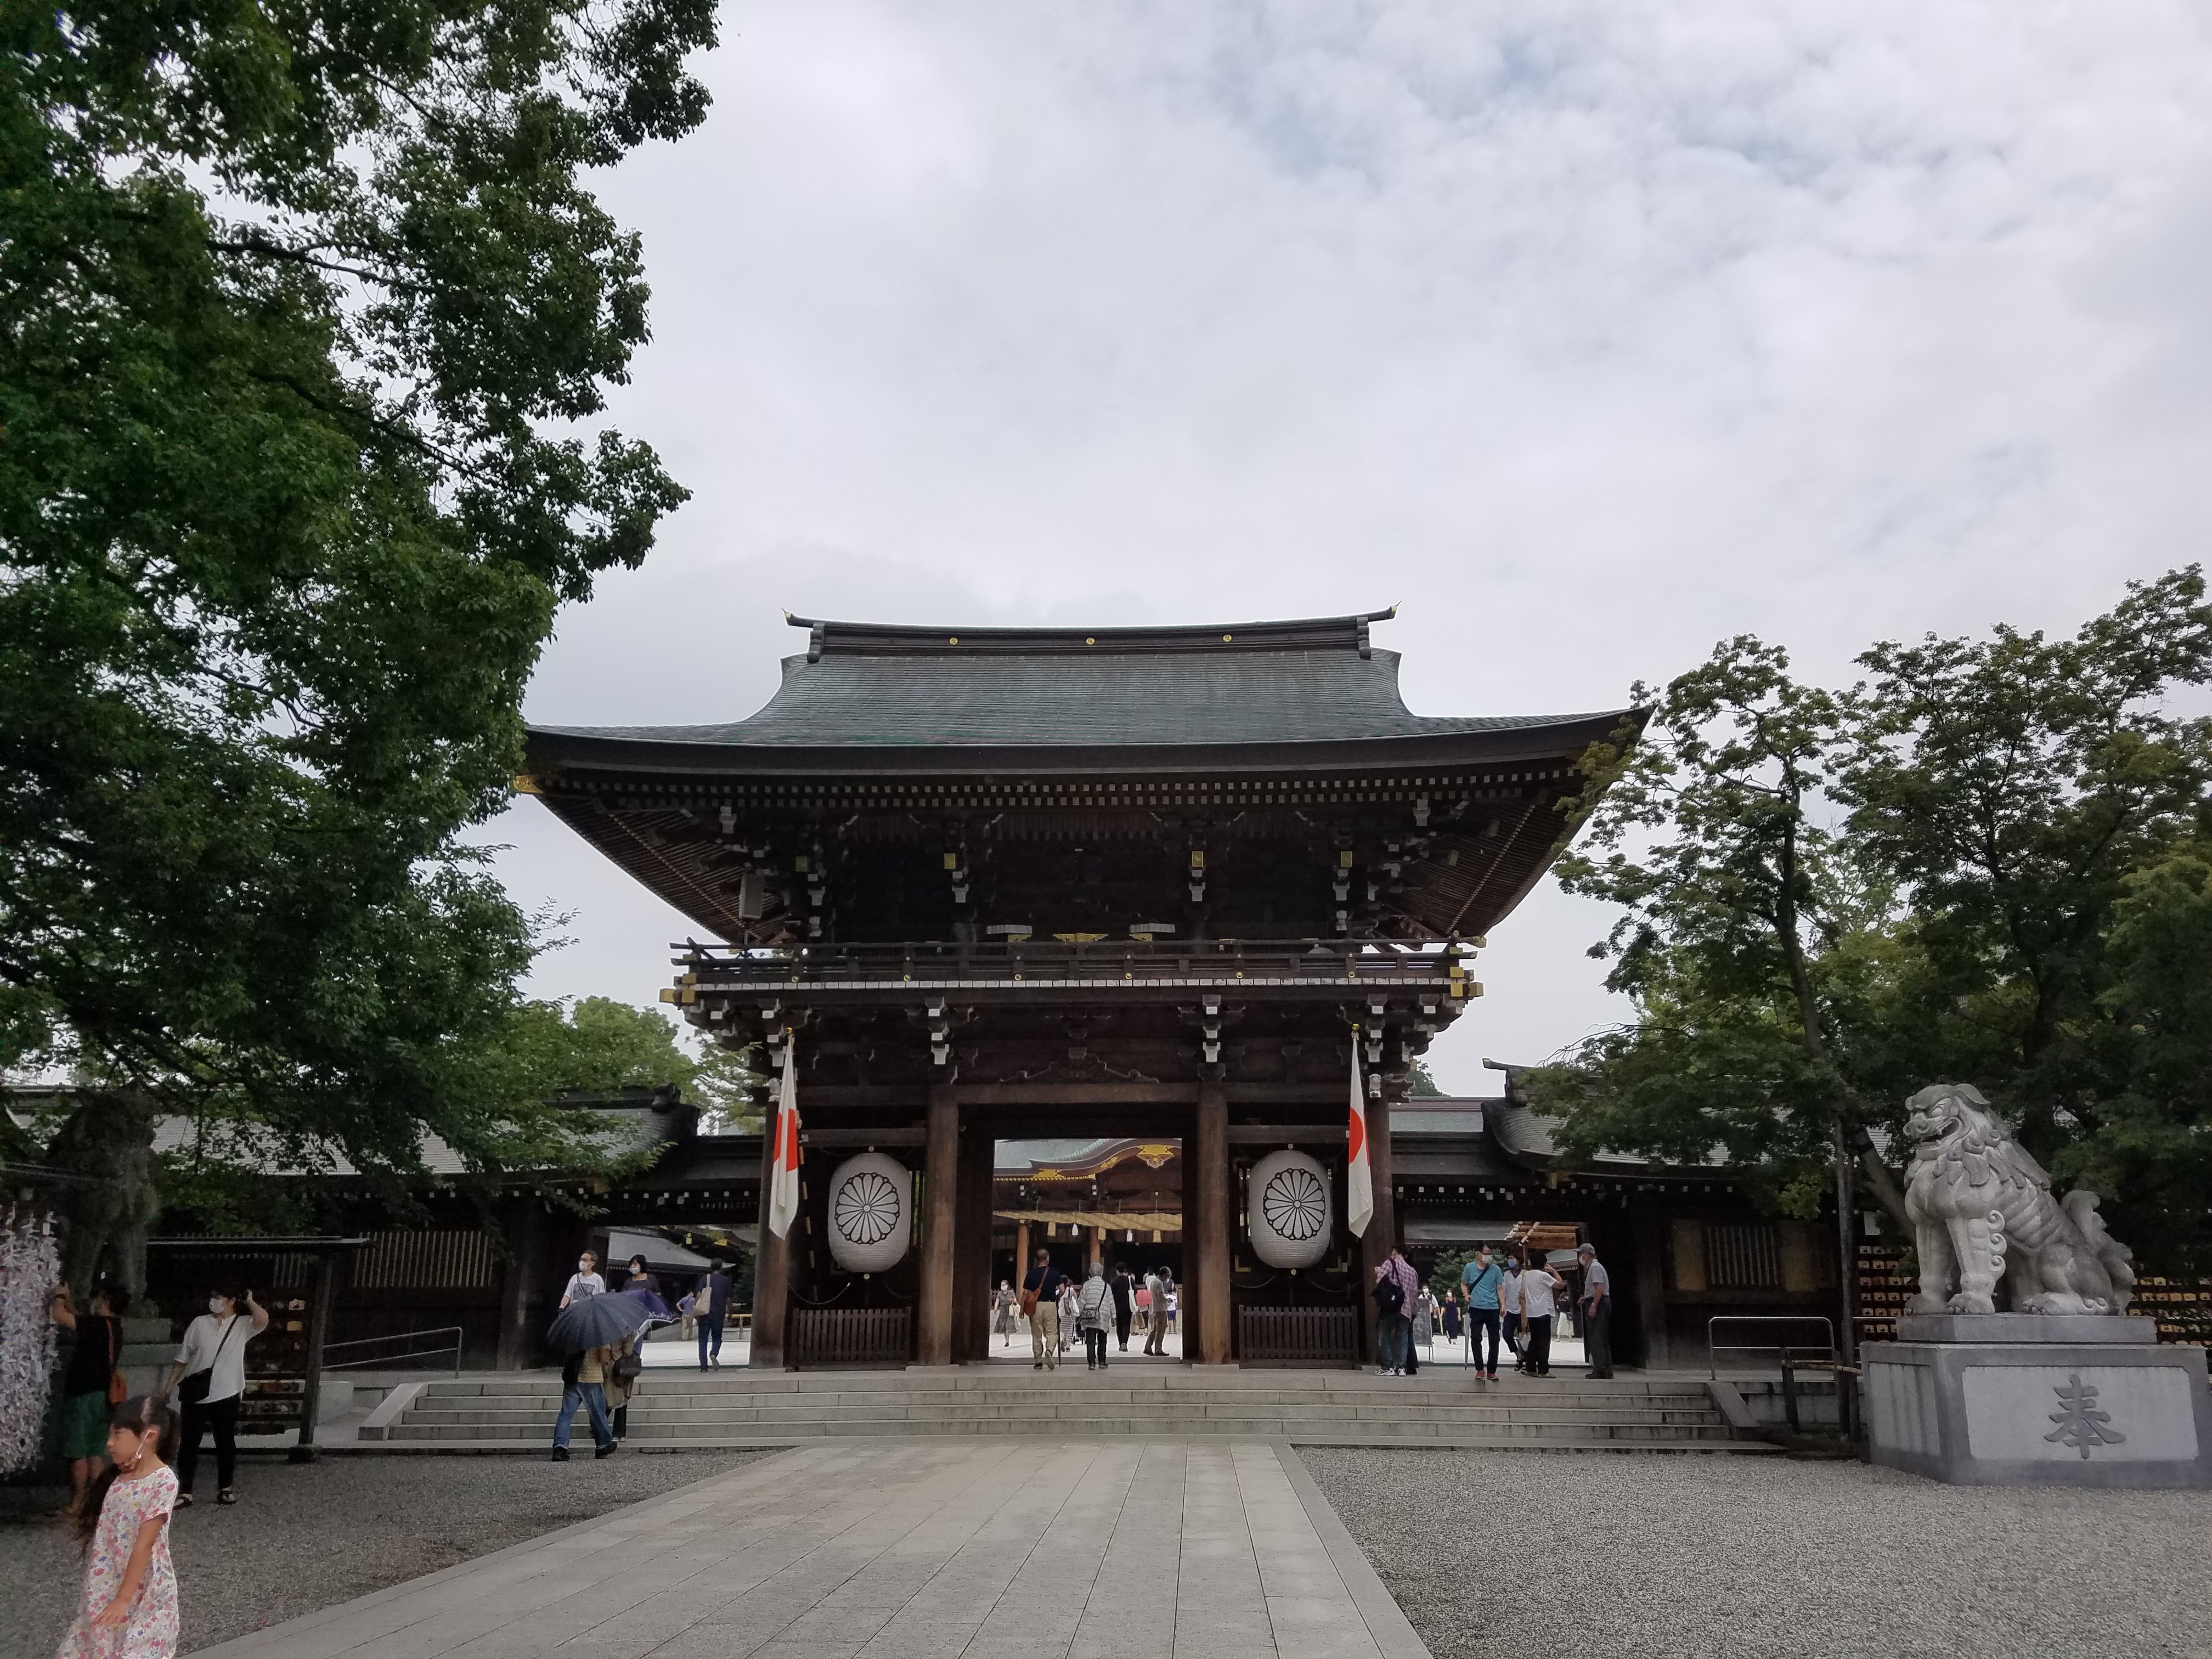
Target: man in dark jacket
(1125, 1302)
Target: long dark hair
(143, 1413)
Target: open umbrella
(597, 1322)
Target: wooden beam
(1299, 1135)
(865, 1137)
(1077, 1094)
(940, 1195)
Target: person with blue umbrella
(588, 1331)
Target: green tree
(2146, 1139)
(309, 319)
(1740, 932)
(1986, 864)
(2043, 808)
(722, 1090)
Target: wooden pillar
(1382, 1234)
(1206, 1326)
(771, 1267)
(1650, 1285)
(318, 1332)
(1021, 1252)
(1098, 1244)
(940, 1211)
(971, 1285)
(522, 1234)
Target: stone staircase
(685, 1410)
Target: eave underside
(1463, 836)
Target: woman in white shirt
(210, 1363)
(585, 1281)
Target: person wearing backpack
(208, 1378)
(1482, 1279)
(1389, 1298)
(622, 1379)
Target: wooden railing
(1297, 1336)
(822, 1339)
(713, 966)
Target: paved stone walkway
(912, 1549)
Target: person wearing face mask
(208, 1377)
(585, 1281)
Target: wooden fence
(1297, 1336)
(823, 1339)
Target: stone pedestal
(2037, 1400)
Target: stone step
(1531, 1434)
(537, 1447)
(1444, 1407)
(1086, 1388)
(1152, 1382)
(658, 1412)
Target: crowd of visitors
(1061, 1311)
(1513, 1302)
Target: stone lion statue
(1983, 1216)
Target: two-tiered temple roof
(1277, 732)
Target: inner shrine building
(1150, 884)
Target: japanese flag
(1358, 1178)
(783, 1180)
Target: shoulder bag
(194, 1389)
(119, 1386)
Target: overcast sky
(1590, 333)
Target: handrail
(1712, 1347)
(1150, 957)
(454, 1331)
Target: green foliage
(1990, 863)
(1742, 932)
(1443, 1278)
(721, 1087)
(308, 311)
(599, 1047)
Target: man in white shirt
(1509, 1303)
(213, 1348)
(1597, 1313)
(1540, 1288)
(1155, 1322)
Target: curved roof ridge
(834, 638)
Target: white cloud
(1592, 332)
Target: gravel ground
(1570, 1554)
(303, 1536)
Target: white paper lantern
(1292, 1220)
(871, 1212)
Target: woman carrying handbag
(208, 1379)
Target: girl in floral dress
(130, 1607)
